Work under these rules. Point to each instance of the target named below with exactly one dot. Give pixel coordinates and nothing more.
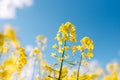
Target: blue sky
(98, 19)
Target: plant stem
(79, 67)
(61, 65)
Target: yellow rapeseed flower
(36, 50)
(53, 54)
(74, 49)
(55, 46)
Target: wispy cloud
(87, 69)
(8, 7)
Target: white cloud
(8, 7)
(29, 48)
(94, 64)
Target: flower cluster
(87, 44)
(22, 59)
(8, 68)
(66, 32)
(14, 64)
(8, 38)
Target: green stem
(79, 67)
(61, 65)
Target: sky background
(97, 19)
